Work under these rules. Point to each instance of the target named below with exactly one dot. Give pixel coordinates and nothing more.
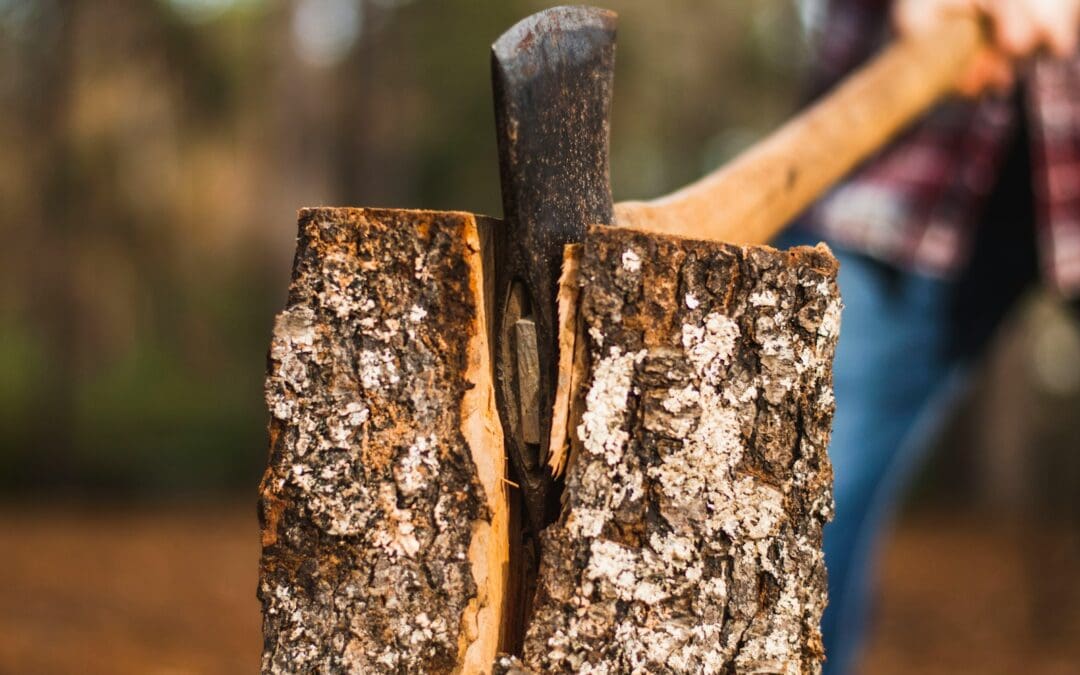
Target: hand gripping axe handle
(552, 77)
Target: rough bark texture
(690, 539)
(384, 533)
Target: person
(937, 237)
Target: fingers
(1023, 27)
(912, 17)
(1015, 31)
(991, 71)
(1020, 28)
(1060, 22)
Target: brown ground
(172, 591)
(161, 591)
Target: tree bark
(383, 506)
(697, 414)
(690, 538)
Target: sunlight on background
(203, 11)
(325, 30)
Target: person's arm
(1019, 29)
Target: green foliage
(154, 421)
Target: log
(696, 410)
(698, 485)
(383, 506)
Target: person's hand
(1020, 28)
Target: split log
(697, 482)
(690, 539)
(384, 523)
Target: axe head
(552, 76)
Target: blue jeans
(905, 344)
(906, 341)
(891, 362)
(904, 347)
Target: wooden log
(384, 522)
(690, 538)
(697, 413)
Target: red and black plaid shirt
(917, 205)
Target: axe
(552, 77)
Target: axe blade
(552, 75)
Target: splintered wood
(696, 406)
(690, 539)
(382, 508)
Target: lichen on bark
(379, 527)
(690, 538)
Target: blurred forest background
(154, 155)
(156, 152)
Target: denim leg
(892, 357)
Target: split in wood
(692, 415)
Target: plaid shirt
(917, 204)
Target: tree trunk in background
(383, 507)
(697, 486)
(56, 317)
(690, 539)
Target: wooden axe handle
(755, 196)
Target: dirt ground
(172, 590)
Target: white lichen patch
(378, 368)
(631, 261)
(615, 566)
(710, 345)
(765, 298)
(586, 522)
(830, 324)
(602, 431)
(421, 271)
(416, 466)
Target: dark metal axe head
(552, 76)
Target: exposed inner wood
(489, 548)
(569, 292)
